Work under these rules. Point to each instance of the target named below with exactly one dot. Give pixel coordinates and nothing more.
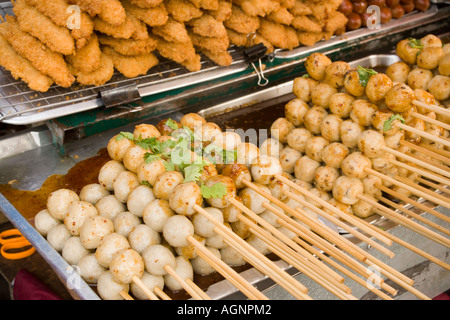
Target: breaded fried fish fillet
(155, 16)
(182, 10)
(86, 59)
(97, 77)
(112, 12)
(92, 7)
(131, 66)
(129, 47)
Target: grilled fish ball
(419, 78)
(271, 217)
(183, 198)
(322, 93)
(288, 157)
(258, 244)
(354, 165)
(362, 209)
(59, 201)
(230, 213)
(406, 52)
(241, 229)
(109, 207)
(111, 244)
(325, 196)
(418, 124)
(349, 132)
(237, 172)
(439, 87)
(341, 104)
(166, 128)
(297, 138)
(177, 229)
(314, 117)
(316, 64)
(380, 117)
(399, 98)
(156, 214)
(156, 257)
(89, 268)
(393, 140)
(203, 226)
(44, 221)
(151, 282)
(201, 267)
(117, 147)
(138, 199)
(315, 146)
(371, 143)
(325, 178)
(109, 172)
(142, 236)
(57, 236)
(270, 147)
(430, 40)
(264, 169)
(347, 190)
(165, 183)
(73, 250)
(291, 203)
(230, 188)
(93, 192)
(77, 214)
(227, 140)
(124, 184)
(370, 184)
(429, 57)
(277, 187)
(94, 230)
(124, 222)
(301, 88)
(134, 157)
(207, 131)
(334, 154)
(398, 71)
(145, 131)
(110, 289)
(246, 153)
(352, 83)
(305, 169)
(217, 241)
(192, 121)
(183, 269)
(446, 48)
(383, 162)
(148, 172)
(444, 65)
(190, 251)
(362, 112)
(329, 128)
(345, 208)
(377, 87)
(334, 73)
(253, 200)
(232, 257)
(280, 128)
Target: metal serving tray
(79, 289)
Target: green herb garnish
(218, 190)
(388, 123)
(171, 124)
(123, 135)
(365, 74)
(415, 43)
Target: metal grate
(19, 105)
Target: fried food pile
(66, 41)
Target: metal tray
(223, 289)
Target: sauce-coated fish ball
(349, 132)
(335, 72)
(202, 267)
(301, 88)
(89, 268)
(142, 236)
(237, 172)
(371, 143)
(110, 245)
(110, 289)
(352, 83)
(183, 269)
(184, 197)
(253, 200)
(227, 140)
(203, 226)
(145, 131)
(377, 87)
(341, 104)
(58, 202)
(124, 222)
(325, 177)
(73, 250)
(444, 65)
(315, 146)
(314, 117)
(125, 182)
(150, 171)
(207, 131)
(77, 214)
(354, 165)
(44, 221)
(305, 169)
(134, 157)
(177, 229)
(139, 198)
(334, 154)
(347, 190)
(189, 251)
(165, 183)
(277, 188)
(231, 212)
(108, 174)
(398, 71)
(109, 207)
(428, 58)
(370, 184)
(316, 64)
(57, 236)
(399, 98)
(118, 146)
(156, 257)
(280, 128)
(297, 138)
(93, 192)
(295, 111)
(264, 169)
(344, 207)
(192, 121)
(126, 265)
(94, 230)
(156, 214)
(230, 191)
(321, 94)
(419, 78)
(439, 87)
(406, 51)
(362, 112)
(150, 281)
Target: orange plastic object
(13, 239)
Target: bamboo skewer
(408, 223)
(424, 134)
(161, 293)
(430, 120)
(425, 173)
(416, 161)
(426, 151)
(225, 270)
(144, 288)
(436, 109)
(432, 162)
(125, 295)
(192, 290)
(433, 185)
(442, 152)
(257, 259)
